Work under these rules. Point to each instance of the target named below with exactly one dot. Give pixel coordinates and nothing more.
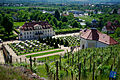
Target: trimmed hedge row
(16, 31)
(69, 30)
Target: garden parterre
(72, 40)
(29, 46)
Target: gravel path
(58, 53)
(62, 35)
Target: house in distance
(34, 30)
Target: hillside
(16, 73)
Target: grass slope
(11, 74)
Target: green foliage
(103, 58)
(57, 15)
(61, 42)
(69, 30)
(117, 32)
(64, 19)
(66, 43)
(75, 24)
(7, 24)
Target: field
(87, 18)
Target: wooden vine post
(57, 71)
(72, 74)
(84, 64)
(60, 62)
(20, 60)
(72, 59)
(93, 71)
(111, 70)
(31, 63)
(68, 57)
(79, 66)
(34, 61)
(78, 58)
(90, 63)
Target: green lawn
(41, 54)
(87, 18)
(51, 58)
(18, 23)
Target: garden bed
(29, 46)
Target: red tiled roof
(30, 25)
(93, 34)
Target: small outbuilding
(93, 38)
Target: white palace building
(34, 30)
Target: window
(25, 36)
(30, 32)
(25, 33)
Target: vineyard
(86, 64)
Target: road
(62, 35)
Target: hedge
(16, 31)
(69, 30)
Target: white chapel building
(93, 38)
(34, 30)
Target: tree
(2, 30)
(58, 40)
(7, 23)
(55, 21)
(75, 24)
(61, 42)
(57, 15)
(0, 19)
(66, 43)
(56, 45)
(115, 11)
(64, 19)
(117, 32)
(60, 24)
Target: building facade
(34, 30)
